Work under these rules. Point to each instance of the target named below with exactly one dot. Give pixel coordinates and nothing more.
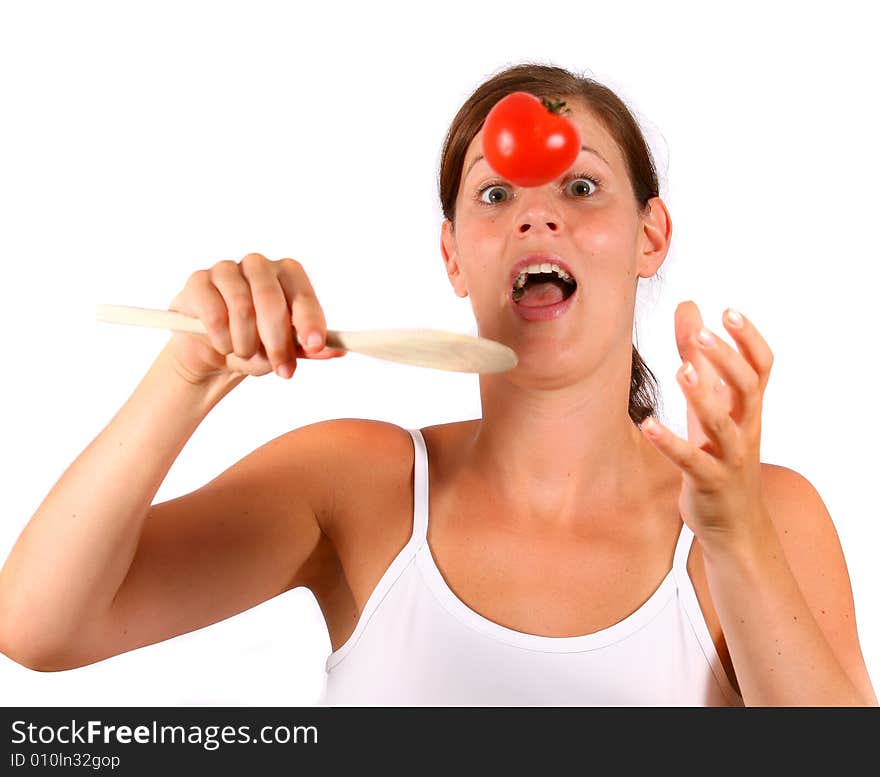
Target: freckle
(823, 612)
(742, 620)
(778, 652)
(795, 617)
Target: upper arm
(814, 554)
(248, 535)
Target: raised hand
(720, 461)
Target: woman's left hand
(721, 499)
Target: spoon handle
(431, 348)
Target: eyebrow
(583, 148)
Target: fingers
(307, 316)
(201, 299)
(701, 465)
(687, 321)
(270, 304)
(745, 370)
(753, 346)
(723, 386)
(714, 417)
(236, 293)
(737, 373)
(256, 311)
(326, 353)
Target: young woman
(560, 550)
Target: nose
(538, 216)
(550, 226)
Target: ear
(449, 249)
(655, 237)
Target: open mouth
(542, 286)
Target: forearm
(780, 654)
(75, 551)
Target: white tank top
(417, 644)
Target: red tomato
(527, 142)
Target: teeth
(534, 269)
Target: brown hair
(555, 82)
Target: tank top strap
(420, 487)
(682, 550)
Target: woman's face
(588, 216)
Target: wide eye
(492, 191)
(580, 187)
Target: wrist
(745, 547)
(206, 390)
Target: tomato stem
(554, 106)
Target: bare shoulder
(365, 475)
(814, 554)
(367, 466)
(798, 512)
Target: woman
(561, 549)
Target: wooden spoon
(431, 348)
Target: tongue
(539, 295)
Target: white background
(143, 141)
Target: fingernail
(284, 370)
(315, 340)
(690, 374)
(735, 318)
(705, 337)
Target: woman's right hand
(259, 314)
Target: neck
(561, 457)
